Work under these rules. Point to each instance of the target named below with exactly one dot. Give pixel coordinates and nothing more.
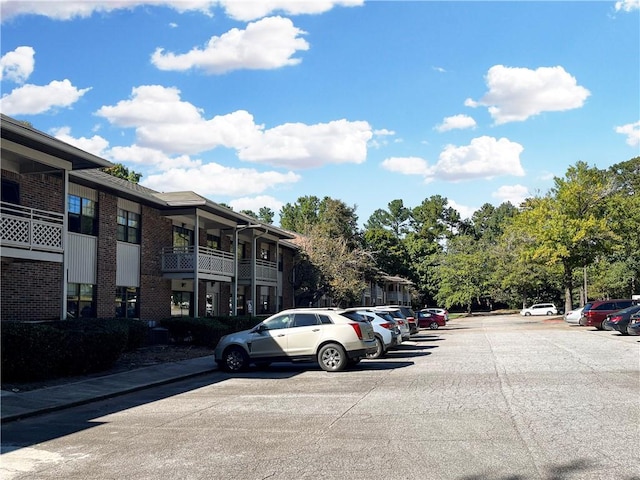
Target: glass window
(213, 241)
(181, 304)
(127, 302)
(10, 192)
(277, 323)
(305, 319)
(128, 226)
(82, 215)
(182, 237)
(265, 253)
(325, 319)
(80, 300)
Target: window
(181, 304)
(80, 300)
(128, 226)
(182, 237)
(305, 319)
(127, 302)
(83, 215)
(265, 253)
(325, 319)
(277, 323)
(10, 192)
(213, 241)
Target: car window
(277, 323)
(587, 307)
(304, 319)
(325, 319)
(623, 304)
(605, 306)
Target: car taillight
(616, 319)
(356, 328)
(388, 326)
(400, 322)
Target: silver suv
(335, 338)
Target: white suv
(335, 338)
(540, 309)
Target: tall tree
(568, 226)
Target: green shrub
(43, 350)
(206, 331)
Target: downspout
(234, 293)
(196, 283)
(65, 257)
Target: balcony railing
(183, 260)
(266, 272)
(30, 228)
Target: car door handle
(315, 330)
(280, 335)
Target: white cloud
(213, 180)
(456, 122)
(246, 10)
(256, 203)
(68, 10)
(17, 65)
(155, 160)
(34, 99)
(485, 157)
(96, 145)
(464, 211)
(266, 44)
(296, 145)
(632, 131)
(164, 122)
(516, 94)
(406, 165)
(627, 5)
(516, 194)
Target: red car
(594, 313)
(430, 320)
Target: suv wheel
(379, 350)
(235, 359)
(332, 358)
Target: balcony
(209, 261)
(30, 229)
(266, 272)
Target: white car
(401, 321)
(386, 330)
(540, 309)
(335, 338)
(573, 316)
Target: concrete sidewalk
(14, 406)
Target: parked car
(618, 321)
(573, 316)
(540, 309)
(634, 324)
(430, 320)
(335, 338)
(386, 331)
(595, 312)
(438, 311)
(409, 315)
(400, 320)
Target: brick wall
(33, 186)
(155, 291)
(107, 251)
(31, 290)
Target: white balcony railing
(183, 260)
(266, 272)
(30, 228)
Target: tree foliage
(120, 171)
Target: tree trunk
(568, 287)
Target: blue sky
(259, 103)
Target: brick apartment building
(77, 242)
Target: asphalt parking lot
(500, 397)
